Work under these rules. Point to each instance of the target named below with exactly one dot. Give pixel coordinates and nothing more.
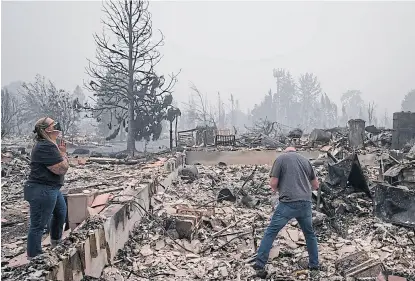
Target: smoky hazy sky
(229, 47)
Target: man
(292, 176)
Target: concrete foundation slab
(240, 157)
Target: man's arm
(313, 179)
(274, 184)
(315, 184)
(275, 174)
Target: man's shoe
(314, 274)
(54, 243)
(260, 271)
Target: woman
(49, 163)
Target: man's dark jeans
(301, 210)
(45, 202)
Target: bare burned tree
(9, 112)
(123, 76)
(371, 106)
(199, 110)
(43, 98)
(266, 127)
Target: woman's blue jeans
(285, 211)
(46, 204)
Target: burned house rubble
(201, 214)
(273, 135)
(215, 234)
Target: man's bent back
(294, 173)
(293, 177)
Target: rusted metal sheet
(395, 204)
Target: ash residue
(37, 269)
(344, 225)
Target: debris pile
(203, 228)
(320, 136)
(260, 140)
(274, 135)
(81, 178)
(43, 265)
(209, 223)
(14, 211)
(14, 162)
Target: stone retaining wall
(89, 257)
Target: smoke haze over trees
(293, 103)
(297, 103)
(227, 87)
(9, 112)
(35, 100)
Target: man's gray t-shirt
(294, 173)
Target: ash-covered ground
(226, 240)
(226, 234)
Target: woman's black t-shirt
(45, 154)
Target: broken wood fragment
(223, 230)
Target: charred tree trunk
(131, 137)
(171, 135)
(175, 131)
